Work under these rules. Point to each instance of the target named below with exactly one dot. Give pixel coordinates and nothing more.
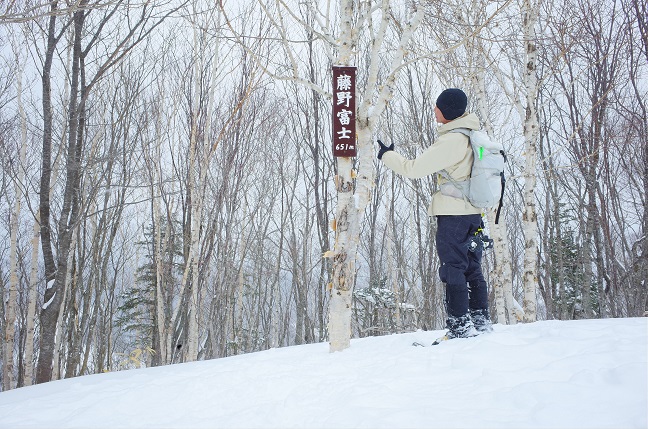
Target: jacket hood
(469, 120)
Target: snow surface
(552, 374)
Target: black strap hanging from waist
(499, 206)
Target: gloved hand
(384, 149)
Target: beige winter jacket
(450, 152)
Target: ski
(435, 343)
(440, 340)
(486, 330)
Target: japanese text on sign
(344, 106)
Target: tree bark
(56, 273)
(529, 216)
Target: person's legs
(477, 289)
(478, 304)
(451, 239)
(453, 236)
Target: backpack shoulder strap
(464, 131)
(459, 186)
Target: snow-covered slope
(581, 374)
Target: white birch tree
(354, 193)
(356, 20)
(531, 132)
(506, 308)
(19, 183)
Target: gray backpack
(485, 186)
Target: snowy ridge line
(551, 374)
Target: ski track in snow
(551, 374)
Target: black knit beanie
(452, 103)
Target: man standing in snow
(458, 221)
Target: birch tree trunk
(392, 277)
(351, 205)
(346, 243)
(529, 216)
(195, 205)
(161, 325)
(31, 304)
(160, 235)
(502, 278)
(276, 284)
(10, 307)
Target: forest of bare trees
(169, 193)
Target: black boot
(481, 320)
(460, 327)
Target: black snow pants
(460, 268)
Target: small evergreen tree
(137, 309)
(137, 316)
(570, 279)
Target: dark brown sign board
(344, 111)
